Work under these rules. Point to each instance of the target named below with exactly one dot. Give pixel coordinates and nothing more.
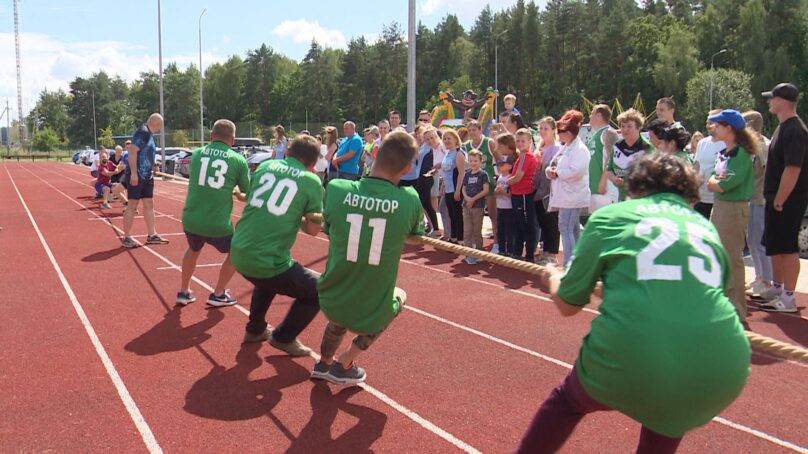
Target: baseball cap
(729, 116)
(505, 160)
(787, 91)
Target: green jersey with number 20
(282, 192)
(368, 221)
(667, 348)
(214, 171)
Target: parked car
(86, 156)
(172, 154)
(256, 159)
(183, 166)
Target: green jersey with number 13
(282, 192)
(214, 171)
(667, 348)
(368, 221)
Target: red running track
(464, 368)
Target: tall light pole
(95, 130)
(411, 68)
(160, 63)
(201, 115)
(496, 71)
(712, 74)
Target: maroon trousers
(560, 413)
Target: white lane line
(179, 268)
(121, 216)
(415, 417)
(131, 407)
(719, 420)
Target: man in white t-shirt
(706, 153)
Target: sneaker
(342, 376)
(129, 243)
(251, 338)
(105, 206)
(320, 370)
(156, 239)
(770, 294)
(294, 348)
(185, 298)
(434, 234)
(471, 260)
(225, 299)
(495, 249)
(400, 295)
(778, 305)
(757, 288)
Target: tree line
(552, 58)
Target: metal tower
(19, 69)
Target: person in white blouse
(569, 172)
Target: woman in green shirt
(667, 348)
(674, 140)
(733, 182)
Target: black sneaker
(185, 298)
(225, 299)
(342, 376)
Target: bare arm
(312, 223)
(567, 310)
(789, 179)
(461, 172)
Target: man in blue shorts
(141, 181)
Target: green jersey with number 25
(214, 171)
(282, 192)
(667, 348)
(368, 221)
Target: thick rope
(767, 344)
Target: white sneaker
(495, 249)
(770, 294)
(756, 288)
(778, 305)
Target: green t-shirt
(488, 158)
(214, 171)
(368, 221)
(667, 348)
(595, 146)
(735, 171)
(623, 155)
(282, 192)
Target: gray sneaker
(250, 338)
(156, 239)
(129, 243)
(342, 376)
(778, 305)
(293, 348)
(320, 371)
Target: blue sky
(62, 39)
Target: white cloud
(226, 39)
(430, 6)
(303, 31)
(48, 63)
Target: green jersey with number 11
(214, 171)
(667, 348)
(282, 192)
(368, 221)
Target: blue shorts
(99, 187)
(197, 242)
(143, 190)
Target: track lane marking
(131, 407)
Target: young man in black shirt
(785, 189)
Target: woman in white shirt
(569, 172)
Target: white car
(173, 154)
